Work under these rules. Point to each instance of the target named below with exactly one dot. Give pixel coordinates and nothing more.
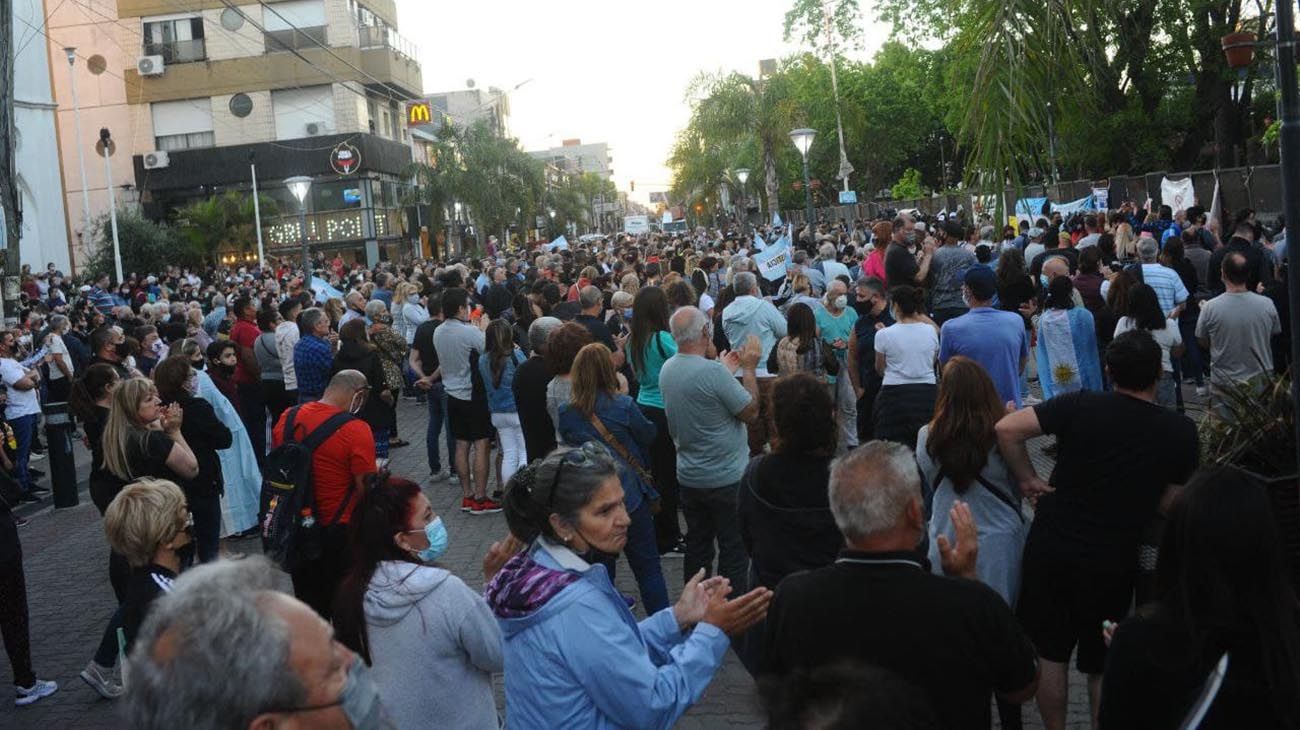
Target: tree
(144, 244)
(222, 220)
(908, 186)
(807, 21)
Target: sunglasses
(582, 457)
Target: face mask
(627, 313)
(355, 407)
(122, 349)
(360, 700)
(1042, 279)
(437, 534)
(198, 364)
(841, 302)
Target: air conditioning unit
(150, 66)
(157, 160)
(316, 128)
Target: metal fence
(1258, 187)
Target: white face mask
(841, 302)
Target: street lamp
(81, 155)
(803, 139)
(743, 176)
(1239, 56)
(300, 185)
(105, 146)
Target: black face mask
(122, 349)
(198, 364)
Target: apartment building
(200, 93)
(577, 158)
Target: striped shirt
(1170, 291)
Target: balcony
(295, 40)
(374, 36)
(178, 51)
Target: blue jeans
(1193, 362)
(642, 552)
(24, 429)
(437, 400)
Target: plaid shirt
(312, 359)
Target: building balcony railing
(373, 36)
(178, 51)
(295, 40)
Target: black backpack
(290, 526)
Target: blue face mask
(437, 534)
(627, 313)
(1042, 279)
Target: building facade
(577, 158)
(200, 94)
(44, 234)
(469, 106)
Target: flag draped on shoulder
(773, 260)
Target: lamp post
(803, 139)
(81, 155)
(106, 146)
(743, 176)
(1289, 143)
(300, 185)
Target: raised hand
(736, 616)
(497, 555)
(958, 559)
(694, 602)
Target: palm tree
(228, 218)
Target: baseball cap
(981, 281)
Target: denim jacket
(629, 427)
(501, 398)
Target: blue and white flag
(759, 244)
(324, 292)
(773, 261)
(559, 244)
(776, 219)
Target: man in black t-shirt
(902, 267)
(954, 638)
(1120, 458)
(424, 361)
(529, 387)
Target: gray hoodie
(435, 645)
(749, 315)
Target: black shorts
(470, 420)
(1063, 604)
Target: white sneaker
(35, 456)
(28, 695)
(101, 680)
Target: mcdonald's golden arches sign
(418, 112)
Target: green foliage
(222, 221)
(806, 21)
(1253, 427)
(908, 186)
(144, 245)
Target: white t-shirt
(286, 336)
(1032, 251)
(58, 347)
(1168, 338)
(21, 402)
(909, 350)
(706, 303)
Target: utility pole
(846, 168)
(9, 209)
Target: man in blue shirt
(313, 356)
(991, 337)
(101, 297)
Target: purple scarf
(522, 586)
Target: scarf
(522, 586)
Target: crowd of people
(837, 450)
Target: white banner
(772, 262)
(1101, 198)
(1177, 194)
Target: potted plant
(1239, 48)
(1253, 428)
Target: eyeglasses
(581, 458)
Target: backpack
(290, 528)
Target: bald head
(343, 389)
(1056, 266)
(689, 328)
(590, 298)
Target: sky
(610, 71)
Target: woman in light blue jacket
(497, 368)
(575, 657)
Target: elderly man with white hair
(707, 410)
(279, 663)
(879, 604)
(827, 265)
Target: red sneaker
(485, 506)
(467, 504)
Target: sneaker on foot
(677, 551)
(27, 695)
(467, 504)
(20, 521)
(101, 680)
(485, 506)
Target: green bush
(146, 246)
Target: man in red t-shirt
(248, 375)
(339, 468)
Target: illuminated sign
(345, 158)
(418, 113)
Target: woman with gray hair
(62, 369)
(613, 670)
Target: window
(176, 39)
(294, 24)
(182, 125)
(305, 112)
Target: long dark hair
(1144, 308)
(89, 388)
(1222, 580)
(801, 326)
(965, 412)
(384, 510)
(1011, 268)
(500, 346)
(649, 317)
